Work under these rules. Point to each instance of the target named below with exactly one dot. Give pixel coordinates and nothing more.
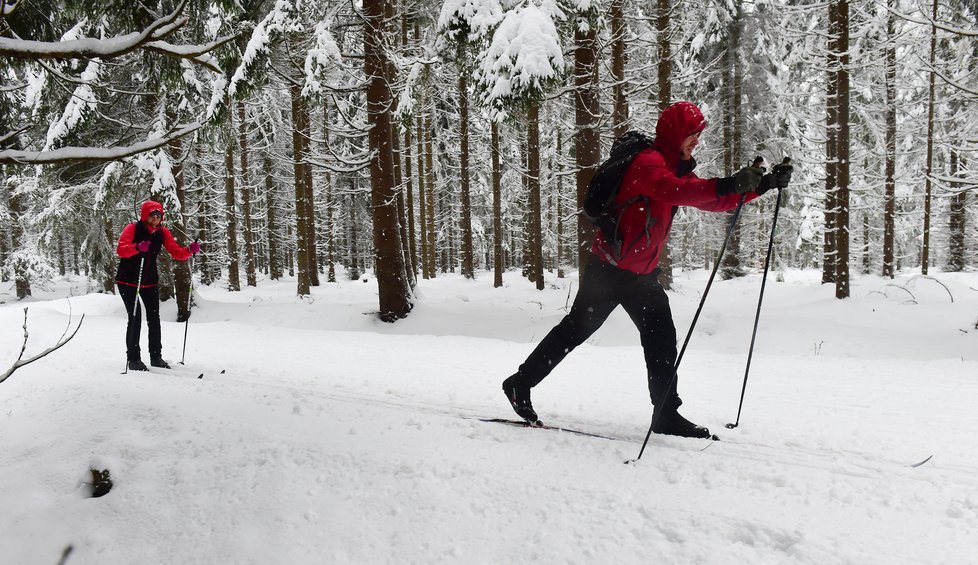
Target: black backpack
(599, 201)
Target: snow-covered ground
(321, 435)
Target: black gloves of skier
(753, 179)
(779, 177)
(744, 181)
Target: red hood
(676, 123)
(148, 208)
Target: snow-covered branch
(93, 154)
(928, 21)
(149, 38)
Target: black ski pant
(151, 304)
(603, 288)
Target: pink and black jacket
(130, 257)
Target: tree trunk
(231, 213)
(430, 187)
(423, 202)
(587, 141)
(842, 199)
(957, 221)
(274, 260)
(925, 252)
(734, 139)
(249, 240)
(181, 271)
(301, 193)
(829, 251)
(311, 226)
(394, 289)
(497, 207)
(22, 284)
(889, 207)
(409, 204)
(619, 115)
(468, 268)
(533, 177)
(664, 99)
(560, 207)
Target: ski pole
(139, 283)
(696, 316)
(190, 297)
(760, 299)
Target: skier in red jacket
(139, 245)
(658, 181)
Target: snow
(523, 54)
(320, 435)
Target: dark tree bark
(533, 178)
(619, 115)
(311, 226)
(889, 207)
(587, 141)
(842, 199)
(181, 271)
(733, 138)
(468, 268)
(957, 222)
(664, 99)
(925, 252)
(249, 238)
(423, 202)
(497, 214)
(430, 187)
(829, 251)
(272, 230)
(302, 251)
(393, 286)
(230, 210)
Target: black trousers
(603, 288)
(151, 304)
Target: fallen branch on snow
(20, 362)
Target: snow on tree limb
(94, 154)
(150, 38)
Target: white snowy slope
(321, 435)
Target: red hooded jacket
(132, 259)
(655, 177)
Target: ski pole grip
(758, 161)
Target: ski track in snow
(334, 438)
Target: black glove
(747, 179)
(779, 178)
(744, 181)
(781, 173)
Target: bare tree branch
(20, 362)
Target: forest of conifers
(321, 139)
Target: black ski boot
(137, 365)
(157, 361)
(518, 395)
(670, 422)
